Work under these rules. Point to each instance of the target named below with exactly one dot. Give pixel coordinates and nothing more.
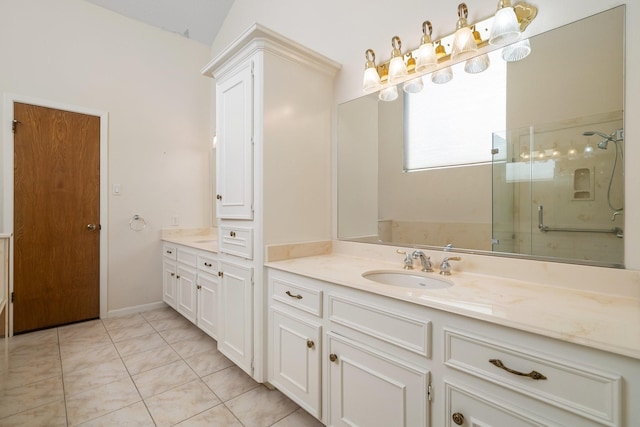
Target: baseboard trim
(136, 309)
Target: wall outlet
(175, 220)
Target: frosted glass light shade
(427, 60)
(388, 94)
(517, 51)
(371, 81)
(414, 85)
(397, 70)
(442, 76)
(464, 44)
(477, 65)
(505, 28)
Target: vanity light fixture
(389, 93)
(371, 81)
(442, 76)
(397, 67)
(479, 63)
(427, 60)
(517, 51)
(464, 44)
(505, 28)
(414, 85)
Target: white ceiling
(198, 20)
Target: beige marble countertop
(603, 321)
(205, 239)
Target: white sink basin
(407, 279)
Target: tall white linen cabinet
(273, 173)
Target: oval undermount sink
(406, 279)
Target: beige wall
(344, 30)
(148, 81)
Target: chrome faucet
(408, 261)
(615, 214)
(445, 267)
(425, 260)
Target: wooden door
(56, 217)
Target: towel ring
(137, 223)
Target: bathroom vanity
(483, 351)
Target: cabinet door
(208, 304)
(235, 318)
(169, 283)
(295, 349)
(234, 156)
(370, 389)
(187, 292)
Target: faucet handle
(408, 262)
(445, 267)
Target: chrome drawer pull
(533, 374)
(293, 296)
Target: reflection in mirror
(405, 176)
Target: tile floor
(149, 369)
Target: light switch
(116, 189)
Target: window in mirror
(470, 106)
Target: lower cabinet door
(208, 304)
(295, 349)
(465, 408)
(368, 388)
(187, 292)
(235, 317)
(169, 283)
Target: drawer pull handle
(169, 252)
(310, 344)
(333, 357)
(232, 234)
(208, 264)
(294, 296)
(173, 274)
(219, 196)
(533, 374)
(220, 274)
(458, 418)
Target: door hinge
(429, 393)
(12, 297)
(252, 367)
(14, 125)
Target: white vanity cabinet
(273, 172)
(389, 362)
(190, 285)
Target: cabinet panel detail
(187, 257)
(170, 251)
(169, 271)
(582, 390)
(186, 284)
(208, 304)
(403, 331)
(236, 241)
(297, 295)
(472, 410)
(295, 359)
(368, 388)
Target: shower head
(603, 144)
(615, 136)
(592, 132)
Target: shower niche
(558, 190)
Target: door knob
(458, 418)
(93, 227)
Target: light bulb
(397, 67)
(371, 80)
(427, 60)
(464, 44)
(505, 28)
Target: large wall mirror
(546, 180)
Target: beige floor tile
(216, 416)
(169, 323)
(261, 407)
(51, 415)
(32, 339)
(159, 313)
(200, 344)
(85, 343)
(81, 331)
(140, 344)
(129, 332)
(163, 378)
(180, 333)
(135, 415)
(85, 379)
(101, 400)
(208, 362)
(80, 358)
(23, 374)
(20, 399)
(29, 355)
(230, 382)
(180, 403)
(123, 321)
(150, 359)
(300, 418)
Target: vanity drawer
(582, 390)
(296, 292)
(236, 241)
(381, 323)
(170, 251)
(207, 263)
(187, 256)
